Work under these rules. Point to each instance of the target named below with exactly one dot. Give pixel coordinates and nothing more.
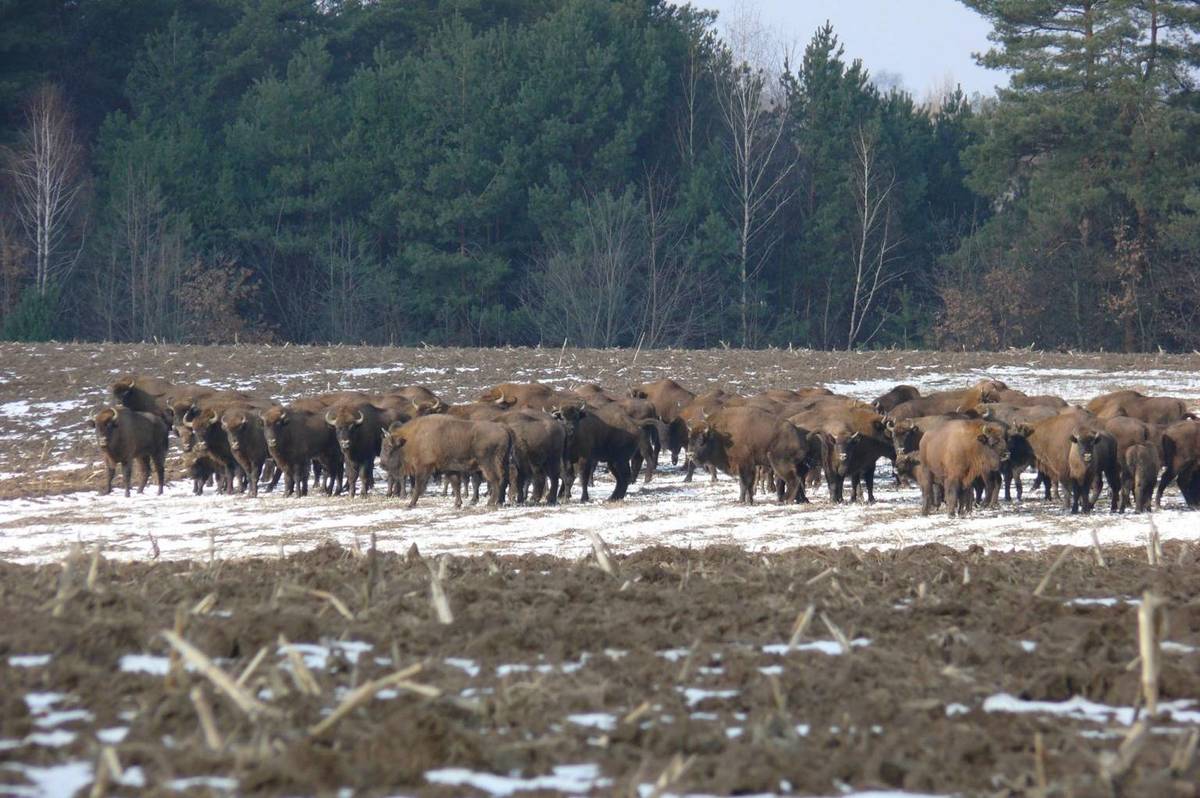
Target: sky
(921, 41)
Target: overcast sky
(922, 41)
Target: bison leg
(420, 480)
(953, 495)
(586, 469)
(127, 473)
(275, 476)
(145, 463)
(869, 478)
(745, 476)
(109, 473)
(620, 470)
(160, 469)
(689, 468)
(1168, 474)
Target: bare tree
(46, 170)
(350, 265)
(873, 246)
(148, 256)
(583, 289)
(754, 117)
(669, 302)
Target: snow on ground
(665, 511)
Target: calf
(1139, 474)
(126, 435)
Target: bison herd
(532, 442)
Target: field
(989, 655)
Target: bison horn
(360, 418)
(329, 419)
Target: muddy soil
(47, 391)
(675, 662)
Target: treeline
(604, 172)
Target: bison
(595, 436)
(955, 456)
(539, 443)
(1140, 467)
(358, 426)
(248, 444)
(1181, 461)
(1151, 409)
(296, 439)
(126, 435)
(1073, 451)
(895, 397)
(740, 440)
(454, 446)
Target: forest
(599, 173)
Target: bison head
(995, 437)
(905, 435)
(200, 426)
(391, 451)
(235, 423)
(274, 421)
(702, 442)
(121, 388)
(1085, 441)
(429, 408)
(572, 414)
(344, 422)
(105, 423)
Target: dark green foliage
(458, 173)
(33, 319)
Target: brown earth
(944, 628)
(66, 383)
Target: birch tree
(46, 171)
(754, 119)
(874, 244)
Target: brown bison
(533, 395)
(942, 402)
(895, 397)
(854, 437)
(741, 440)
(669, 398)
(298, 438)
(595, 436)
(539, 443)
(1073, 451)
(452, 446)
(955, 456)
(1160, 410)
(126, 435)
(1140, 467)
(359, 428)
(1181, 461)
(248, 444)
(143, 394)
